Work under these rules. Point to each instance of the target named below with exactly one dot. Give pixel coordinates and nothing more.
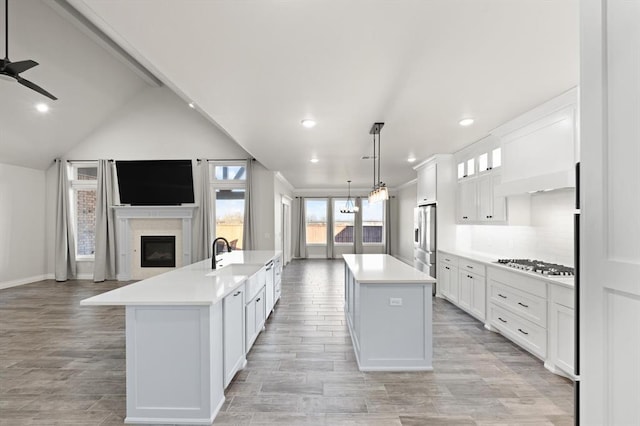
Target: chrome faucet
(215, 254)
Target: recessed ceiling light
(42, 107)
(314, 160)
(192, 105)
(466, 122)
(411, 159)
(308, 123)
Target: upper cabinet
(478, 171)
(540, 147)
(427, 184)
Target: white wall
(281, 188)
(155, 125)
(22, 225)
(549, 237)
(405, 202)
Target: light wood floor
(62, 364)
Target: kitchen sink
(235, 269)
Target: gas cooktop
(538, 267)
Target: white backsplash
(549, 236)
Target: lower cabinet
(448, 277)
(561, 331)
(254, 318)
(472, 294)
(233, 334)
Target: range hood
(543, 182)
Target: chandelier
(380, 191)
(349, 206)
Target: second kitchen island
(389, 313)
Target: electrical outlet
(395, 301)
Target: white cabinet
(448, 276)
(518, 309)
(233, 334)
(472, 288)
(491, 207)
(561, 330)
(467, 201)
(427, 184)
(254, 318)
(270, 289)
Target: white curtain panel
(202, 226)
(104, 267)
(65, 249)
(299, 229)
(248, 233)
(330, 245)
(387, 225)
(357, 228)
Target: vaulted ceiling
(258, 67)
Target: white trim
(284, 180)
(22, 281)
(406, 184)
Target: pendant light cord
(6, 29)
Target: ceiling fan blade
(35, 87)
(20, 66)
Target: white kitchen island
(185, 335)
(389, 313)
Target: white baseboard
(28, 280)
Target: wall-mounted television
(155, 182)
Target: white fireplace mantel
(123, 231)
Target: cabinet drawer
(519, 281)
(562, 296)
(527, 305)
(471, 266)
(448, 259)
(530, 336)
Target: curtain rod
(85, 161)
(224, 159)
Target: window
(316, 221)
(228, 186)
(471, 166)
(342, 223)
(372, 222)
(460, 170)
(496, 158)
(483, 162)
(84, 183)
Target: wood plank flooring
(62, 364)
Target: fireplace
(158, 251)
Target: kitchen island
(389, 313)
(187, 333)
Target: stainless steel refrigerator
(424, 239)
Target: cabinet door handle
(446, 267)
(465, 217)
(503, 320)
(448, 260)
(523, 305)
(469, 276)
(470, 267)
(502, 295)
(523, 332)
(257, 300)
(237, 293)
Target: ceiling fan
(13, 69)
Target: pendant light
(349, 206)
(380, 191)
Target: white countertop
(384, 269)
(190, 285)
(492, 262)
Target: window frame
(223, 184)
(336, 203)
(76, 185)
(326, 213)
(382, 239)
